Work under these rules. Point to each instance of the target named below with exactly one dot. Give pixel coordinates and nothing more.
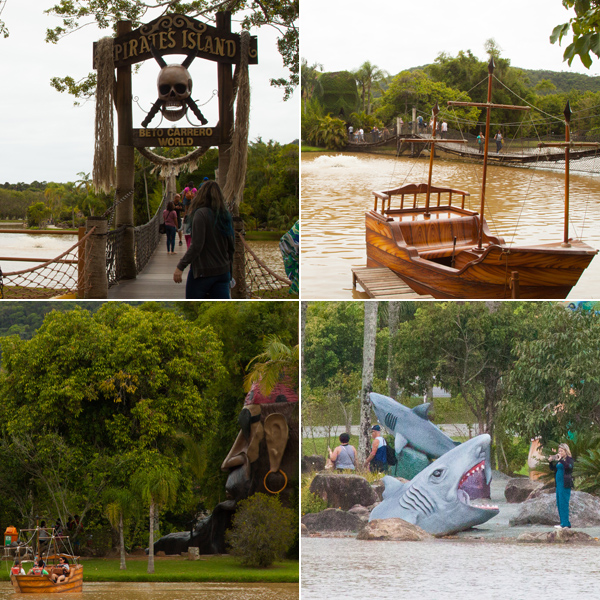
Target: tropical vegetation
(122, 413)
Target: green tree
(157, 485)
(262, 531)
(585, 27)
(120, 504)
(36, 214)
(369, 76)
(279, 14)
(555, 381)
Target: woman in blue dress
(562, 465)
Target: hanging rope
(236, 175)
(103, 176)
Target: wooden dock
(382, 283)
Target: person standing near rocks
(377, 460)
(344, 456)
(562, 465)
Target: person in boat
(39, 568)
(498, 138)
(480, 141)
(17, 568)
(61, 572)
(377, 460)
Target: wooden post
(81, 265)
(96, 281)
(514, 284)
(225, 84)
(125, 163)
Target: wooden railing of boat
(415, 190)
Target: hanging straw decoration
(103, 175)
(236, 175)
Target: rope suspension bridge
(95, 256)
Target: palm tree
(368, 76)
(277, 362)
(120, 502)
(157, 486)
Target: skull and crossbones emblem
(174, 85)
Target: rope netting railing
(62, 275)
(114, 249)
(147, 238)
(260, 279)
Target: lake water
(170, 591)
(50, 246)
(348, 569)
(523, 205)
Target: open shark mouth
(472, 486)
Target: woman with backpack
(377, 460)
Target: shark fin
(400, 442)
(392, 486)
(422, 410)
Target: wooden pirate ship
(43, 584)
(447, 251)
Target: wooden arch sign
(170, 34)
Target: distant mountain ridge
(564, 81)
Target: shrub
(262, 531)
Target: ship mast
(488, 105)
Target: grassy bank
(304, 148)
(222, 568)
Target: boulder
(332, 519)
(378, 487)
(362, 511)
(304, 530)
(584, 511)
(312, 463)
(396, 530)
(540, 491)
(343, 491)
(520, 488)
(558, 536)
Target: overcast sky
(46, 138)
(399, 34)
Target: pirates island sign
(179, 34)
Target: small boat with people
(55, 568)
(445, 250)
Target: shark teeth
(485, 506)
(478, 467)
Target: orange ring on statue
(284, 485)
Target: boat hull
(36, 584)
(547, 271)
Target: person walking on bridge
(211, 251)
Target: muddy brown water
(348, 569)
(523, 206)
(170, 591)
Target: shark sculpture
(411, 427)
(435, 499)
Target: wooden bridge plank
(382, 283)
